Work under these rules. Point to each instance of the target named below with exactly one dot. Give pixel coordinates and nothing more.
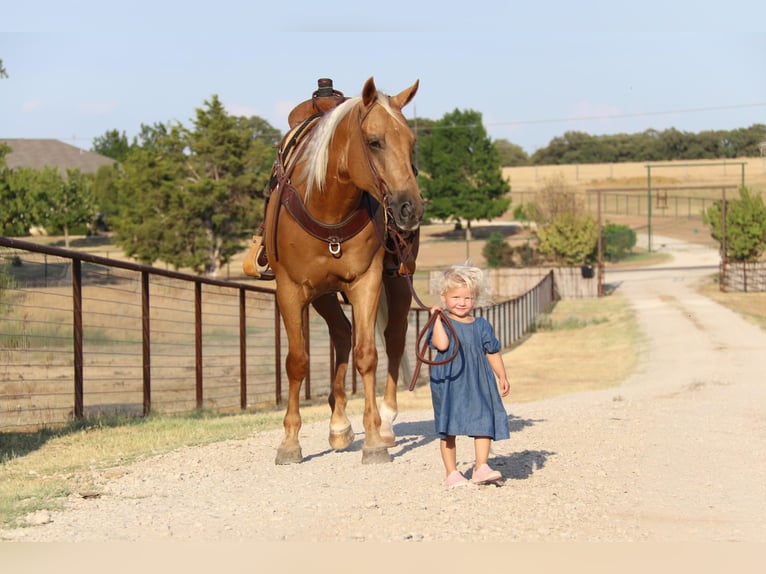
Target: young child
(464, 391)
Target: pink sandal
(485, 475)
(456, 479)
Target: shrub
(745, 225)
(570, 238)
(496, 251)
(617, 241)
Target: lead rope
(421, 355)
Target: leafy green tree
(745, 225)
(69, 201)
(13, 220)
(106, 195)
(460, 171)
(150, 194)
(225, 173)
(112, 144)
(190, 196)
(30, 197)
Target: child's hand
(434, 309)
(505, 388)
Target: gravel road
(676, 453)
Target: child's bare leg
(449, 454)
(481, 446)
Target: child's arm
(439, 338)
(498, 367)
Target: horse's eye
(375, 144)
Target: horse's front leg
(341, 433)
(296, 364)
(365, 303)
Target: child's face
(458, 301)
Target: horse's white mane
(319, 142)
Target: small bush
(617, 241)
(496, 251)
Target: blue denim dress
(464, 392)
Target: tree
(5, 149)
(225, 172)
(13, 220)
(106, 195)
(190, 196)
(3, 73)
(745, 226)
(112, 144)
(32, 197)
(149, 194)
(69, 201)
(462, 179)
(510, 154)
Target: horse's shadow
(412, 435)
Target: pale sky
(535, 70)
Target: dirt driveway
(676, 453)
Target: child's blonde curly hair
(473, 278)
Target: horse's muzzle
(407, 215)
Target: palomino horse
(346, 188)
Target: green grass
(38, 470)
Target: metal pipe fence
(83, 335)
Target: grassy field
(634, 174)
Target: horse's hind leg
(397, 297)
(341, 433)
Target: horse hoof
(341, 440)
(289, 456)
(375, 455)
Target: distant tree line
(651, 145)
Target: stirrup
(256, 264)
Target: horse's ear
(405, 96)
(369, 92)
